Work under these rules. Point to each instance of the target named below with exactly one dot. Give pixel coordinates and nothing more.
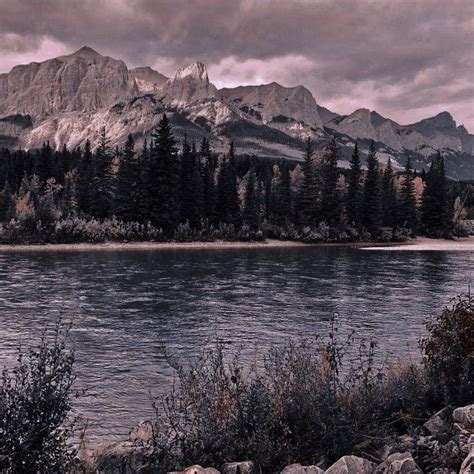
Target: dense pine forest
(159, 193)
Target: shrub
(449, 352)
(35, 399)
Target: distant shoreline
(216, 245)
(418, 244)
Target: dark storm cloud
(404, 57)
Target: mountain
(147, 79)
(68, 100)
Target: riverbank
(465, 244)
(119, 246)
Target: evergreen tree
(192, 200)
(407, 206)
(354, 190)
(251, 212)
(102, 182)
(145, 184)
(228, 202)
(84, 179)
(43, 167)
(389, 197)
(165, 179)
(282, 211)
(436, 214)
(127, 199)
(371, 210)
(330, 199)
(6, 203)
(307, 203)
(208, 167)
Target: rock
(299, 469)
(464, 416)
(467, 467)
(142, 433)
(196, 469)
(439, 424)
(399, 463)
(352, 465)
(245, 467)
(123, 457)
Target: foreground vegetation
(160, 194)
(309, 402)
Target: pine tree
(330, 200)
(145, 184)
(84, 179)
(371, 208)
(436, 214)
(389, 197)
(192, 200)
(251, 212)
(165, 179)
(228, 202)
(102, 181)
(282, 211)
(208, 167)
(307, 202)
(43, 167)
(127, 199)
(354, 191)
(407, 206)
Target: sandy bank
(118, 246)
(424, 244)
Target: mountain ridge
(68, 99)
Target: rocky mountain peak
(197, 71)
(86, 52)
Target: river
(125, 305)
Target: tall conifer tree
(330, 198)
(371, 210)
(407, 208)
(354, 189)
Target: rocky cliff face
(148, 80)
(83, 81)
(68, 99)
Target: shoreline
(215, 245)
(418, 244)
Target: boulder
(299, 469)
(439, 424)
(244, 467)
(464, 416)
(399, 463)
(196, 469)
(467, 467)
(352, 465)
(123, 457)
(142, 433)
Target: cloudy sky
(407, 59)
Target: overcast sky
(407, 59)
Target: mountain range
(69, 99)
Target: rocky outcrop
(197, 470)
(189, 85)
(148, 80)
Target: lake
(125, 304)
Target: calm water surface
(125, 304)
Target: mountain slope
(68, 100)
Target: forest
(160, 193)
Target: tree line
(164, 193)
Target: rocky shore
(444, 444)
